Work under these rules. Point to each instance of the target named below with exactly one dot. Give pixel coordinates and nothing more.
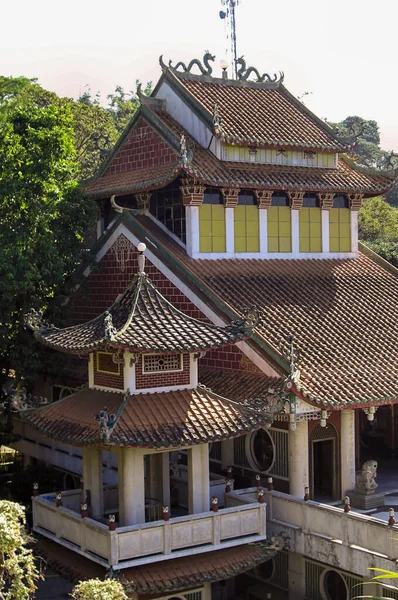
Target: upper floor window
(167, 206)
(246, 223)
(310, 221)
(340, 225)
(212, 222)
(279, 224)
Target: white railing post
(83, 534)
(167, 538)
(113, 548)
(216, 529)
(263, 519)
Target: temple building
(232, 362)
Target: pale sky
(344, 53)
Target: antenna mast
(230, 25)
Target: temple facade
(232, 362)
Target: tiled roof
(256, 114)
(237, 385)
(164, 576)
(144, 321)
(164, 419)
(211, 171)
(342, 313)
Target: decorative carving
(309, 155)
(230, 197)
(326, 200)
(110, 330)
(245, 72)
(264, 198)
(366, 477)
(192, 192)
(207, 58)
(106, 423)
(20, 400)
(217, 120)
(34, 321)
(355, 201)
(251, 318)
(123, 250)
(143, 200)
(296, 199)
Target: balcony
(242, 522)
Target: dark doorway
(323, 458)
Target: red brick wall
(229, 357)
(108, 379)
(143, 148)
(154, 380)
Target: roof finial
(141, 257)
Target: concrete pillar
(198, 479)
(296, 576)
(347, 449)
(92, 480)
(354, 231)
(158, 477)
(263, 225)
(227, 453)
(229, 230)
(192, 225)
(298, 459)
(325, 231)
(295, 231)
(131, 486)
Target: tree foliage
(93, 589)
(43, 213)
(378, 228)
(18, 572)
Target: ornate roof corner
(204, 65)
(245, 72)
(110, 329)
(217, 120)
(107, 422)
(251, 318)
(34, 321)
(20, 400)
(292, 354)
(186, 155)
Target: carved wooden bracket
(143, 200)
(326, 200)
(355, 201)
(296, 199)
(230, 197)
(192, 192)
(264, 198)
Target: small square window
(161, 363)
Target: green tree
(93, 589)
(378, 228)
(123, 105)
(18, 570)
(43, 215)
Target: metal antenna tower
(228, 14)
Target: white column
(298, 459)
(263, 225)
(347, 445)
(92, 480)
(129, 372)
(295, 232)
(229, 230)
(91, 370)
(131, 486)
(227, 453)
(325, 231)
(192, 225)
(296, 576)
(198, 479)
(193, 365)
(159, 477)
(354, 231)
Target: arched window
(212, 222)
(246, 223)
(279, 224)
(310, 224)
(340, 225)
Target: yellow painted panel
(304, 230)
(240, 244)
(315, 215)
(273, 229)
(345, 215)
(304, 245)
(345, 230)
(218, 212)
(205, 212)
(285, 244)
(334, 215)
(284, 213)
(205, 244)
(240, 228)
(219, 244)
(345, 244)
(252, 228)
(273, 245)
(334, 230)
(334, 244)
(218, 229)
(273, 214)
(284, 229)
(251, 213)
(253, 244)
(304, 215)
(239, 213)
(315, 245)
(316, 230)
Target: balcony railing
(150, 542)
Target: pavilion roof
(341, 312)
(142, 320)
(157, 420)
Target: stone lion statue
(366, 477)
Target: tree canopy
(378, 228)
(92, 589)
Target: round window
(260, 450)
(334, 586)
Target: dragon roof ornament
(245, 72)
(204, 67)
